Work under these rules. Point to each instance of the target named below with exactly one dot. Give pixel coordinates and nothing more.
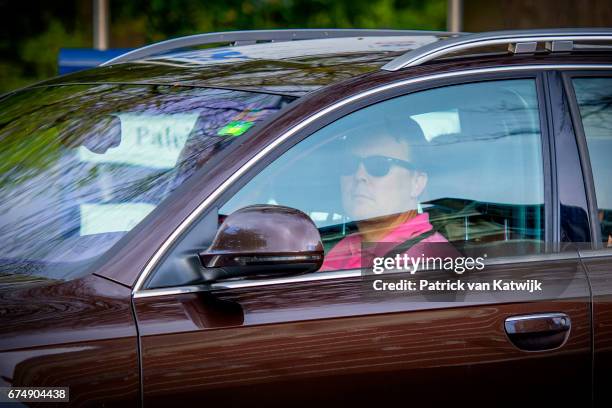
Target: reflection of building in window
(594, 97)
(436, 124)
(153, 141)
(476, 222)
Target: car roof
(297, 67)
(289, 68)
(288, 50)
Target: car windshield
(81, 165)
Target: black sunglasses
(376, 166)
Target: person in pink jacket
(381, 181)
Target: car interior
(463, 197)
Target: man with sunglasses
(381, 178)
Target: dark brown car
(212, 227)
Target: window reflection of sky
(493, 156)
(85, 163)
(483, 159)
(595, 100)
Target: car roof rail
(518, 42)
(252, 36)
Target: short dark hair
(409, 131)
(403, 129)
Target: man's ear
(419, 181)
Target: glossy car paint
(299, 344)
(341, 342)
(478, 371)
(138, 246)
(252, 241)
(599, 270)
(79, 334)
(598, 261)
(295, 77)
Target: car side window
(594, 96)
(460, 164)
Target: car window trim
(551, 191)
(558, 111)
(595, 253)
(585, 160)
(472, 78)
(551, 188)
(139, 291)
(331, 275)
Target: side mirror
(262, 241)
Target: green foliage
(180, 17)
(41, 51)
(32, 54)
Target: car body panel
(298, 344)
(235, 325)
(340, 341)
(596, 257)
(79, 334)
(599, 271)
(138, 246)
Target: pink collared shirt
(347, 253)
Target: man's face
(366, 196)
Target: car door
(482, 180)
(590, 95)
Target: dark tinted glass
(80, 166)
(475, 174)
(595, 101)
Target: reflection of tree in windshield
(82, 165)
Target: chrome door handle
(538, 332)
